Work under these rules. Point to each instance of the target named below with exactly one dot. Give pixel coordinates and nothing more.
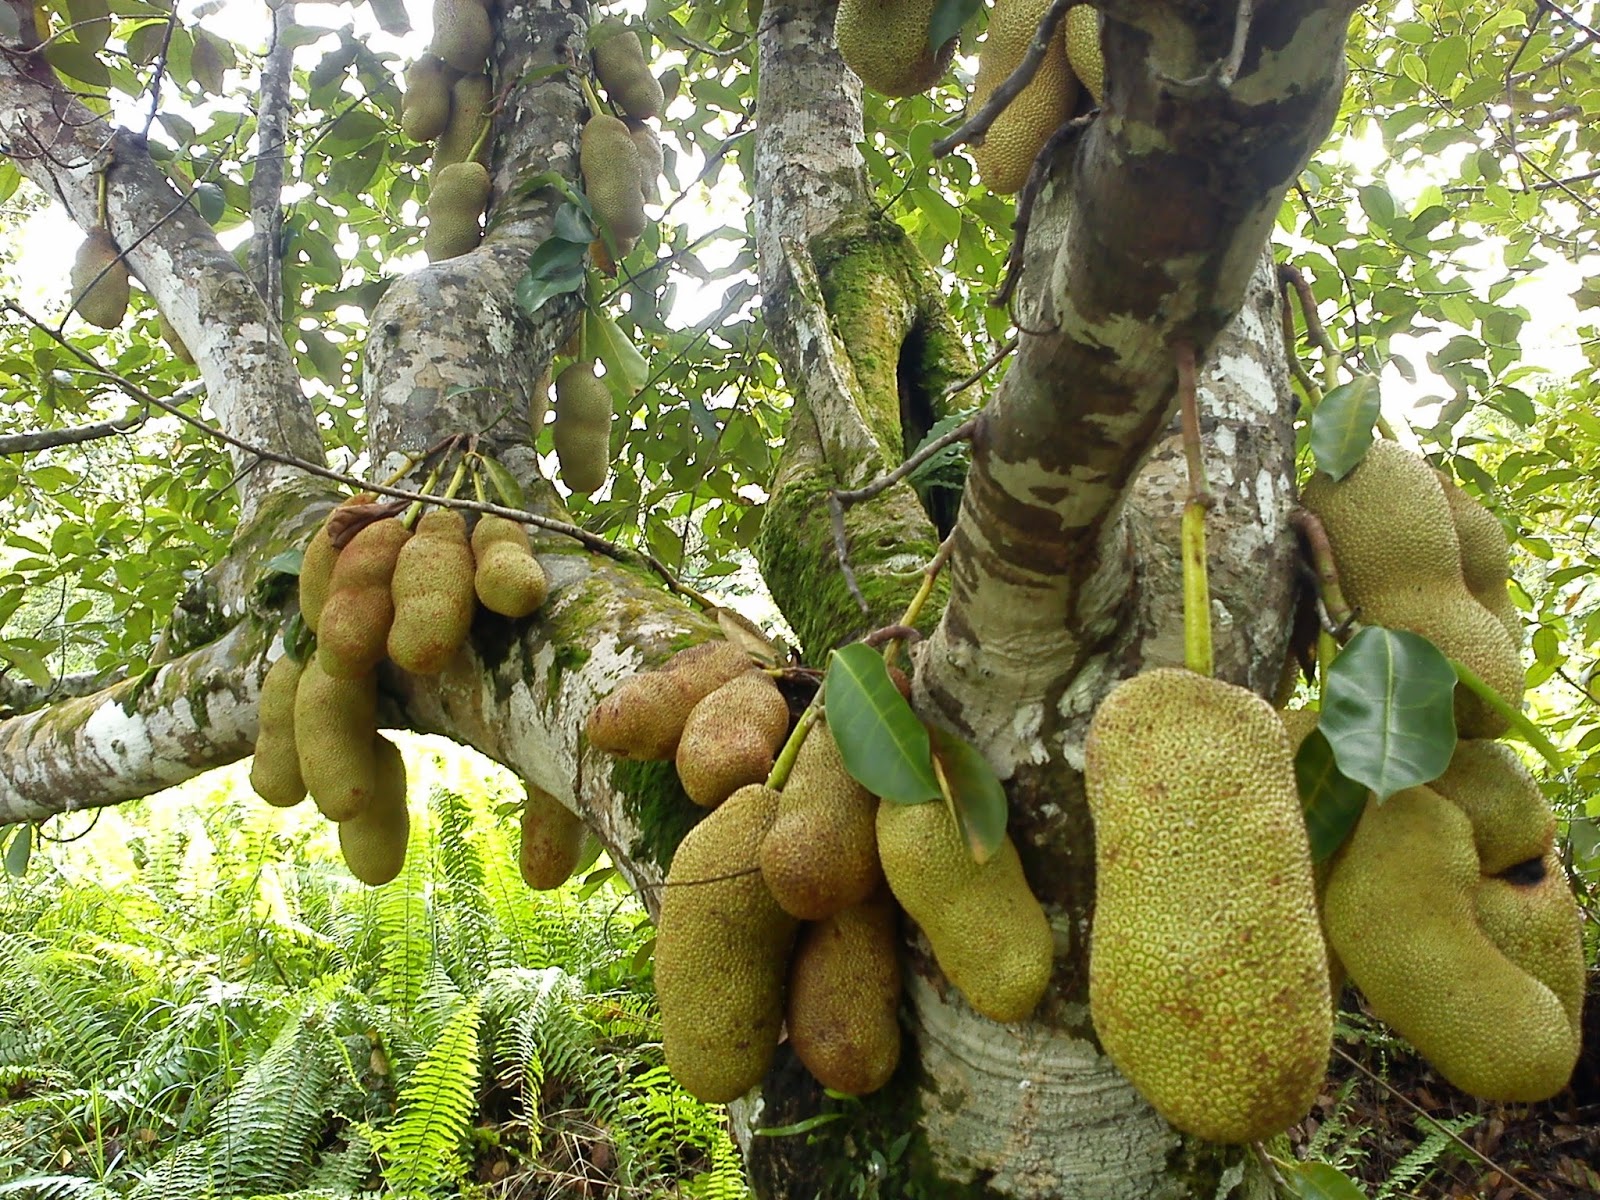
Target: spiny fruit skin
(373, 842)
(1401, 910)
(644, 715)
(100, 288)
(469, 98)
(612, 178)
(275, 772)
(651, 160)
(722, 946)
(425, 109)
(989, 935)
(1485, 557)
(731, 738)
(508, 579)
(844, 997)
(462, 33)
(1394, 543)
(456, 200)
(1081, 32)
(316, 567)
(433, 594)
(552, 841)
(1208, 980)
(582, 429)
(353, 634)
(620, 64)
(885, 42)
(335, 722)
(1007, 152)
(822, 854)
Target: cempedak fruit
(988, 932)
(100, 290)
(335, 724)
(316, 567)
(457, 198)
(1208, 980)
(462, 33)
(885, 42)
(644, 715)
(620, 64)
(1081, 32)
(469, 103)
(731, 738)
(612, 176)
(275, 771)
(582, 429)
(509, 579)
(425, 110)
(722, 945)
(651, 160)
(353, 634)
(1485, 557)
(1006, 154)
(373, 842)
(433, 594)
(552, 841)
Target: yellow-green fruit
(425, 110)
(844, 994)
(552, 841)
(335, 722)
(373, 842)
(620, 64)
(731, 738)
(1402, 911)
(1208, 980)
(644, 715)
(100, 281)
(469, 102)
(456, 200)
(353, 634)
(651, 160)
(174, 343)
(822, 854)
(1399, 560)
(885, 42)
(612, 176)
(582, 429)
(508, 579)
(1006, 154)
(432, 593)
(316, 568)
(1485, 557)
(988, 933)
(275, 772)
(462, 33)
(722, 946)
(1080, 32)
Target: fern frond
(421, 1148)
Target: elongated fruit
(373, 842)
(582, 429)
(433, 594)
(275, 772)
(100, 288)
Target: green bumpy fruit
(612, 177)
(844, 998)
(1081, 34)
(316, 567)
(552, 841)
(275, 772)
(988, 932)
(457, 199)
(1006, 154)
(644, 716)
(731, 738)
(353, 634)
(432, 593)
(100, 290)
(1208, 980)
(373, 842)
(335, 725)
(462, 33)
(582, 429)
(620, 64)
(508, 579)
(722, 945)
(469, 102)
(822, 854)
(1485, 557)
(425, 109)
(1399, 560)
(651, 161)
(885, 42)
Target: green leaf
(1341, 425)
(1332, 803)
(973, 791)
(1321, 1181)
(534, 292)
(626, 369)
(287, 562)
(505, 483)
(947, 19)
(31, 665)
(815, 1121)
(1388, 710)
(77, 61)
(19, 852)
(91, 22)
(884, 744)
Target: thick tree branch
(272, 140)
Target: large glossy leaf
(1341, 425)
(883, 743)
(1332, 803)
(19, 851)
(1322, 1181)
(973, 791)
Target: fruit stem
(414, 509)
(1327, 651)
(791, 748)
(930, 576)
(1530, 732)
(595, 108)
(1197, 652)
(1322, 564)
(481, 140)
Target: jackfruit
(651, 161)
(988, 933)
(620, 64)
(552, 841)
(353, 633)
(275, 771)
(822, 854)
(582, 429)
(433, 594)
(1208, 980)
(612, 176)
(316, 566)
(844, 997)
(373, 842)
(731, 738)
(722, 945)
(1399, 563)
(885, 42)
(1402, 910)
(644, 715)
(457, 198)
(469, 103)
(1485, 557)
(335, 724)
(425, 109)
(100, 288)
(462, 33)
(1081, 32)
(1006, 154)
(509, 579)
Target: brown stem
(1323, 566)
(978, 124)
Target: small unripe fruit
(100, 288)
(508, 579)
(582, 430)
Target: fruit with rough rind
(651, 160)
(100, 289)
(1080, 32)
(731, 738)
(433, 594)
(425, 109)
(988, 932)
(353, 634)
(462, 33)
(552, 841)
(1006, 154)
(316, 567)
(457, 198)
(612, 176)
(508, 579)
(1208, 977)
(582, 430)
(335, 722)
(822, 854)
(373, 842)
(469, 101)
(644, 715)
(620, 64)
(722, 948)
(885, 42)
(275, 771)
(1485, 557)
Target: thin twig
(960, 433)
(48, 439)
(1329, 591)
(995, 360)
(1058, 141)
(978, 124)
